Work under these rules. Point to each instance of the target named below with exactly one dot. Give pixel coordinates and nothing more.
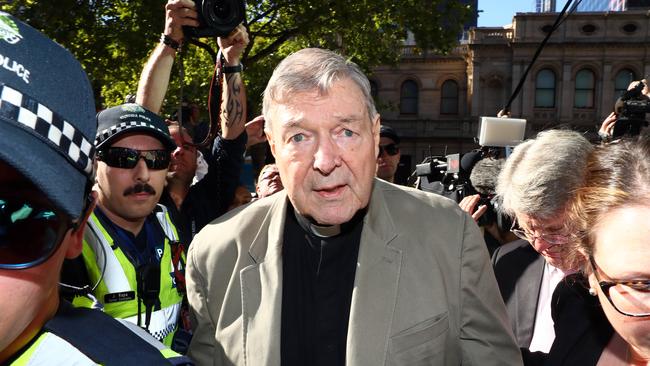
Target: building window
(545, 89)
(409, 98)
(585, 86)
(374, 90)
(623, 79)
(449, 98)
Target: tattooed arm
(233, 107)
(154, 78)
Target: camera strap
(148, 279)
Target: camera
(457, 176)
(217, 18)
(630, 109)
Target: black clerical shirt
(317, 282)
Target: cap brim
(166, 140)
(45, 167)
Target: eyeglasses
(530, 237)
(390, 149)
(29, 232)
(630, 298)
(125, 158)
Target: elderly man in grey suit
(341, 268)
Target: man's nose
(141, 171)
(327, 156)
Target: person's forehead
(345, 94)
(270, 168)
(621, 242)
(556, 221)
(386, 140)
(137, 140)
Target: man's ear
(77, 234)
(376, 124)
(269, 138)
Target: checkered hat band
(105, 134)
(48, 126)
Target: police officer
(46, 154)
(132, 259)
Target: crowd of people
(117, 248)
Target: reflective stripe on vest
(163, 321)
(117, 289)
(50, 349)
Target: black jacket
(211, 196)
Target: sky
(496, 13)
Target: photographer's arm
(607, 127)
(233, 108)
(154, 79)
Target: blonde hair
(617, 176)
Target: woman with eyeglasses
(612, 242)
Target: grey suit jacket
(424, 291)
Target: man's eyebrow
(292, 122)
(349, 118)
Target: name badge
(119, 296)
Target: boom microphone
(485, 174)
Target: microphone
(485, 174)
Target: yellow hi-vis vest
(117, 290)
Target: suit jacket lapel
(527, 296)
(375, 288)
(261, 286)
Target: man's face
(242, 197)
(269, 182)
(387, 163)
(30, 296)
(325, 147)
(183, 163)
(118, 187)
(553, 227)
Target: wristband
(232, 69)
(169, 42)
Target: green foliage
(112, 38)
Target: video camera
(217, 18)
(631, 108)
(454, 176)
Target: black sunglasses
(125, 158)
(29, 232)
(390, 149)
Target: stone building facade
(435, 101)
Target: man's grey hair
(313, 69)
(541, 176)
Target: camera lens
(222, 10)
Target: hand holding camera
(179, 14)
(629, 113)
(233, 45)
(469, 203)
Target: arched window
(545, 89)
(623, 79)
(449, 97)
(585, 86)
(409, 98)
